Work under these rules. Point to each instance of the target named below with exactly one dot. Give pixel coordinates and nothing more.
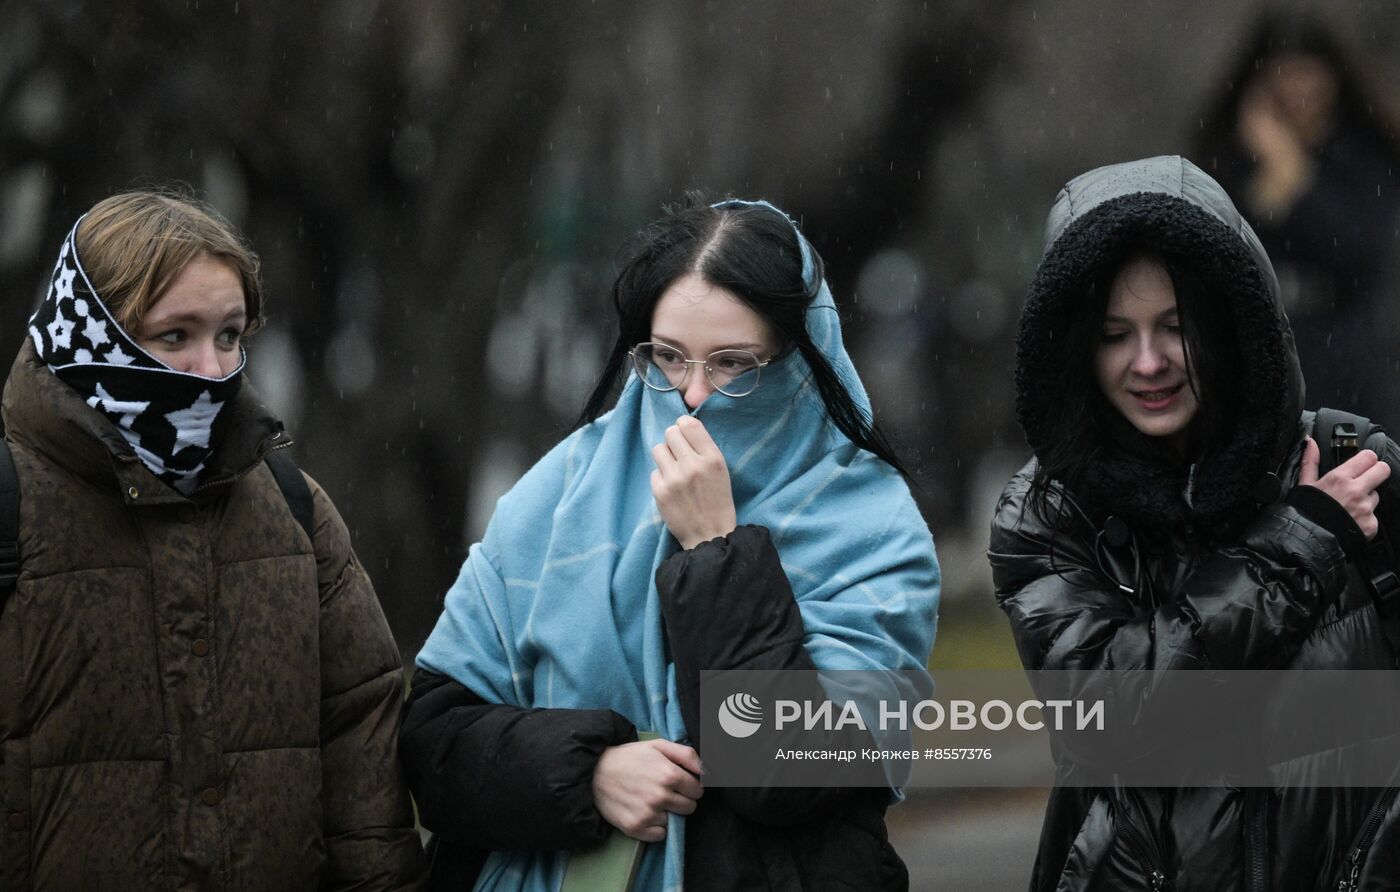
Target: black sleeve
(1329, 514)
(492, 777)
(727, 604)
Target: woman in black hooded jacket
(1173, 518)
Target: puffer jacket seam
(363, 683)
(754, 657)
(266, 557)
(31, 577)
(333, 589)
(78, 763)
(776, 645)
(361, 830)
(1060, 633)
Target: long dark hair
(1088, 429)
(753, 252)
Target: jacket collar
(46, 415)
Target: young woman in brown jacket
(195, 691)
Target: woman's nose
(1149, 360)
(697, 388)
(203, 359)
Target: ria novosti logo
(740, 715)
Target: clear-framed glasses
(663, 367)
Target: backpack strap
(1336, 432)
(294, 489)
(9, 524)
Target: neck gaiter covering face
(168, 417)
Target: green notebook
(612, 866)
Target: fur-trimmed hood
(1183, 214)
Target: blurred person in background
(1307, 142)
(1173, 517)
(197, 686)
(736, 509)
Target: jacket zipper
(1352, 881)
(243, 473)
(1256, 838)
(1141, 849)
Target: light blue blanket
(557, 605)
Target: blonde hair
(133, 245)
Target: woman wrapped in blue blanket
(736, 509)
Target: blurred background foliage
(438, 190)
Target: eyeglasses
(663, 367)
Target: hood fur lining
(1144, 491)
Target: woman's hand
(637, 784)
(691, 484)
(1352, 484)
(1283, 167)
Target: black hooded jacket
(1236, 567)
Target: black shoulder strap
(9, 524)
(294, 489)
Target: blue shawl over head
(557, 605)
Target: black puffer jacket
(1238, 569)
(488, 776)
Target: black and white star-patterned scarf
(167, 416)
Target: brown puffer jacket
(193, 694)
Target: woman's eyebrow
(195, 317)
(744, 345)
(739, 345)
(186, 318)
(670, 342)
